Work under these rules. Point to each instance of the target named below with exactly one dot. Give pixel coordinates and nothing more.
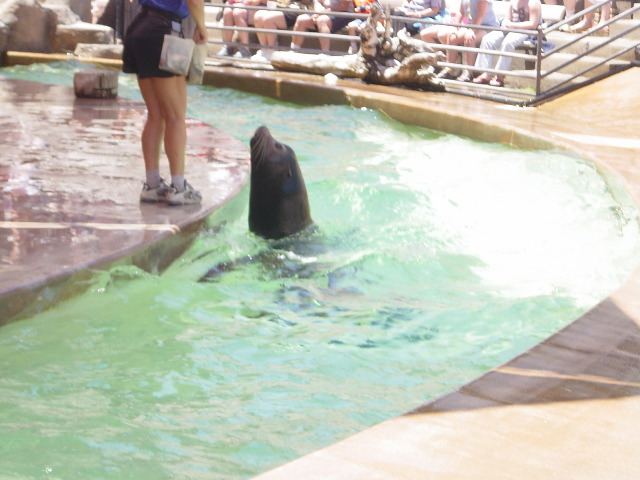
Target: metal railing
(548, 82)
(559, 86)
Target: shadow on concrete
(595, 357)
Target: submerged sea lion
(278, 201)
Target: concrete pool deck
(567, 408)
(71, 173)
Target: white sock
(178, 182)
(153, 178)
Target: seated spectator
(431, 33)
(353, 28)
(521, 15)
(240, 17)
(481, 13)
(276, 20)
(323, 22)
(587, 21)
(419, 9)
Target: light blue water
(436, 258)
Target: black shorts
(338, 23)
(143, 46)
(290, 18)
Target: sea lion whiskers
(258, 145)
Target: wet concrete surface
(71, 173)
(567, 408)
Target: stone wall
(27, 26)
(49, 26)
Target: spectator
(521, 15)
(419, 9)
(273, 20)
(587, 21)
(482, 14)
(431, 33)
(323, 22)
(240, 17)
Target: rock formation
(48, 26)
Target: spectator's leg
(241, 19)
(447, 36)
(509, 44)
(491, 41)
(586, 22)
(450, 36)
(303, 23)
(430, 34)
(270, 20)
(227, 21)
(472, 39)
(605, 15)
(352, 30)
(258, 21)
(569, 8)
(324, 26)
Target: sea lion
(278, 210)
(278, 201)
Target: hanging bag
(176, 54)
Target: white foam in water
(537, 221)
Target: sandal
(465, 77)
(574, 29)
(483, 79)
(603, 32)
(446, 74)
(496, 82)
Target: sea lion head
(278, 201)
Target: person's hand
(200, 35)
(470, 35)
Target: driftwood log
(386, 60)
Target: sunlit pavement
(568, 408)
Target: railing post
(539, 60)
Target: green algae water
(435, 258)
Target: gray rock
(29, 26)
(96, 84)
(68, 37)
(98, 51)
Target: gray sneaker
(188, 196)
(225, 52)
(243, 52)
(153, 195)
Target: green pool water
(435, 259)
